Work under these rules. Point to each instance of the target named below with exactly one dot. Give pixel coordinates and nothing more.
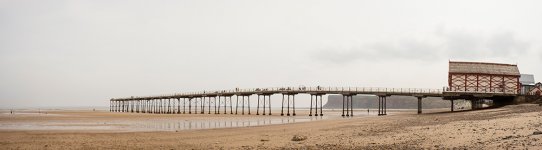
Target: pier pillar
(243, 105)
(343, 106)
(236, 103)
(248, 104)
(196, 105)
(202, 105)
(316, 105)
(288, 114)
(321, 106)
(161, 111)
(382, 105)
(226, 104)
(263, 108)
(282, 108)
(310, 109)
(351, 106)
(184, 105)
(178, 105)
(269, 99)
(347, 106)
(258, 106)
(293, 104)
(419, 105)
(452, 105)
(231, 106)
(385, 105)
(190, 106)
(217, 108)
(379, 105)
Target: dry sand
(510, 127)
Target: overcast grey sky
(81, 53)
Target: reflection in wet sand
(223, 123)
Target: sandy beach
(510, 127)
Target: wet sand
(501, 128)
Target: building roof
(484, 68)
(526, 79)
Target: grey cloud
(404, 49)
(449, 44)
(467, 45)
(502, 44)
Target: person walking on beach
(11, 111)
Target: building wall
(483, 83)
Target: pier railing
(318, 89)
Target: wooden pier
(473, 81)
(223, 102)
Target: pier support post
(217, 109)
(263, 108)
(136, 106)
(209, 103)
(293, 104)
(196, 106)
(202, 105)
(379, 105)
(347, 106)
(248, 104)
(231, 106)
(419, 105)
(236, 104)
(214, 98)
(288, 114)
(178, 105)
(184, 105)
(321, 107)
(169, 106)
(269, 99)
(351, 106)
(190, 106)
(385, 105)
(161, 106)
(310, 109)
(382, 105)
(258, 106)
(316, 105)
(243, 105)
(282, 108)
(343, 106)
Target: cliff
(393, 102)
